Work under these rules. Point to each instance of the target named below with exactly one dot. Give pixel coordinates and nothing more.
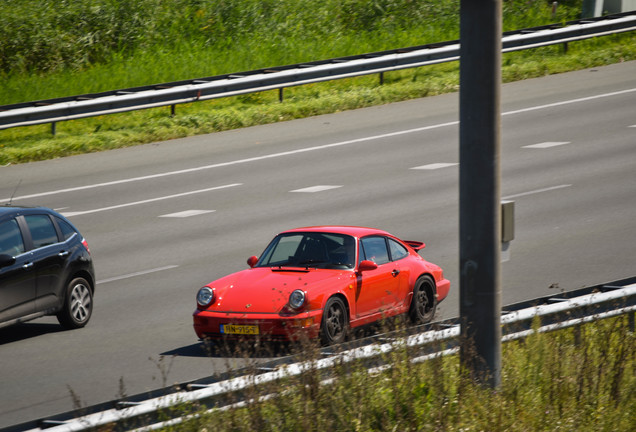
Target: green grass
(571, 380)
(53, 49)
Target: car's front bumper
(208, 325)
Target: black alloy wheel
(424, 301)
(335, 322)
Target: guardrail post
(53, 128)
(381, 78)
(172, 110)
(479, 189)
(280, 94)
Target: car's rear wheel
(78, 304)
(424, 301)
(335, 322)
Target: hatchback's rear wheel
(335, 322)
(424, 301)
(78, 304)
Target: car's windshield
(311, 249)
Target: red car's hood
(267, 290)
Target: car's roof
(4, 209)
(16, 210)
(355, 231)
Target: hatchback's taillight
(85, 243)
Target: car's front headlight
(205, 296)
(296, 299)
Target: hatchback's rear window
(65, 227)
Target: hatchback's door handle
(63, 254)
(27, 266)
(395, 272)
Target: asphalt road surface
(164, 219)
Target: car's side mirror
(367, 265)
(6, 260)
(251, 261)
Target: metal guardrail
(149, 410)
(173, 93)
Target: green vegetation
(55, 48)
(578, 379)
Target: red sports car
(320, 282)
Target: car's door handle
(395, 272)
(63, 254)
(27, 266)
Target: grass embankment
(53, 49)
(571, 380)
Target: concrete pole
(479, 189)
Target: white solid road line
(536, 191)
(308, 149)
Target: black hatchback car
(45, 268)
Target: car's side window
(42, 230)
(67, 230)
(11, 242)
(375, 249)
(397, 250)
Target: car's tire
(78, 304)
(424, 301)
(334, 327)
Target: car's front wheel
(335, 322)
(78, 304)
(424, 301)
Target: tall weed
(574, 380)
(110, 44)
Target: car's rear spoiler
(417, 245)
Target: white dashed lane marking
(139, 273)
(546, 144)
(187, 213)
(77, 213)
(435, 166)
(318, 188)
